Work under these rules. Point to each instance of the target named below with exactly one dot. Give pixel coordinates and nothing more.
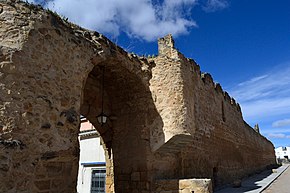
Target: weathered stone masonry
(169, 124)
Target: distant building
(282, 153)
(92, 165)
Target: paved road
(259, 182)
(281, 184)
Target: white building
(282, 153)
(92, 165)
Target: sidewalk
(281, 184)
(256, 183)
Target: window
(284, 148)
(98, 180)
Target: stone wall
(230, 147)
(166, 119)
(223, 147)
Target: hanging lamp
(102, 117)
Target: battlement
(166, 48)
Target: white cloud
(215, 5)
(143, 19)
(137, 18)
(257, 109)
(281, 123)
(268, 131)
(91, 14)
(278, 136)
(265, 96)
(253, 80)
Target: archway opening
(92, 161)
(128, 104)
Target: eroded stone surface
(167, 119)
(183, 186)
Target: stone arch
(130, 108)
(45, 67)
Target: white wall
(280, 153)
(91, 151)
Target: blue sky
(244, 44)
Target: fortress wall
(224, 146)
(168, 120)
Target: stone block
(195, 185)
(42, 185)
(54, 168)
(135, 176)
(143, 176)
(237, 183)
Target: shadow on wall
(132, 116)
